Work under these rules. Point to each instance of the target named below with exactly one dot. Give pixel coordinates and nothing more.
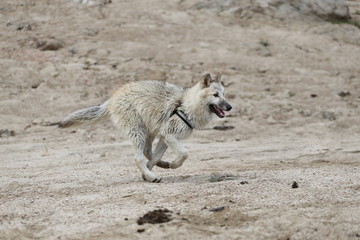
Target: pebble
(7, 133)
(328, 115)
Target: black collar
(183, 117)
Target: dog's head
(214, 95)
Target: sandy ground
(294, 86)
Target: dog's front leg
(147, 175)
(177, 146)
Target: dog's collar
(183, 117)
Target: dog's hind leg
(181, 151)
(131, 123)
(138, 135)
(157, 155)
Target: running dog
(145, 110)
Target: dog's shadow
(190, 178)
(199, 178)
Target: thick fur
(86, 116)
(144, 110)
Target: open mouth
(215, 109)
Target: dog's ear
(218, 77)
(205, 82)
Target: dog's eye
(216, 95)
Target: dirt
(155, 217)
(295, 185)
(293, 84)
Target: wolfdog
(145, 110)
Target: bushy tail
(85, 116)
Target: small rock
(36, 83)
(294, 185)
(48, 44)
(329, 116)
(7, 133)
(114, 65)
(263, 69)
(37, 121)
(243, 182)
(217, 209)
(23, 26)
(291, 94)
(313, 95)
(305, 113)
(344, 93)
(91, 61)
(73, 50)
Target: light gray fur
(86, 116)
(144, 110)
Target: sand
(293, 84)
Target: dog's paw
(151, 178)
(157, 180)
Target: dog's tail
(85, 116)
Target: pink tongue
(221, 112)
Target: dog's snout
(228, 107)
(225, 106)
